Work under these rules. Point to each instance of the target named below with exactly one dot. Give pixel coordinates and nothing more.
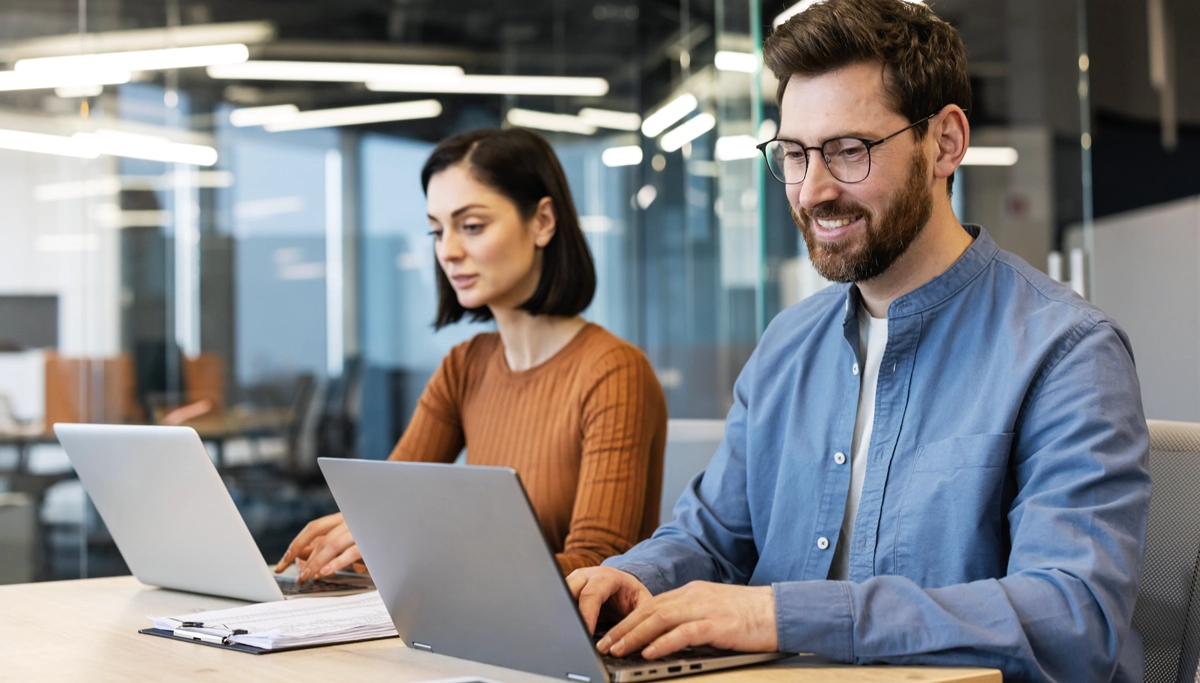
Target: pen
(202, 637)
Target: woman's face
(491, 255)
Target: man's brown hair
(925, 63)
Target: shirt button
(839, 458)
(823, 543)
(854, 369)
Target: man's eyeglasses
(848, 159)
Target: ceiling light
(499, 85)
(616, 120)
(96, 187)
(746, 62)
(259, 116)
(990, 156)
(597, 225)
(149, 147)
(800, 7)
(622, 156)
(564, 123)
(646, 196)
(140, 60)
(13, 80)
(338, 72)
(70, 92)
(668, 114)
(353, 116)
(733, 147)
(142, 39)
(687, 131)
(45, 144)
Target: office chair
(690, 445)
(1167, 614)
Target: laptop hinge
(577, 677)
(422, 646)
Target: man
(942, 461)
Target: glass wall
(231, 234)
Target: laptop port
(695, 667)
(637, 673)
(674, 669)
(652, 671)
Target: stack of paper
(302, 622)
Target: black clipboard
(248, 649)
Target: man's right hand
(323, 547)
(598, 588)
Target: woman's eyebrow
(459, 211)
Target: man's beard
(881, 242)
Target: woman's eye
(472, 227)
(437, 234)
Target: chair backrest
(1168, 607)
(690, 445)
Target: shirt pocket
(951, 526)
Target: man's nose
(819, 186)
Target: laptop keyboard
(636, 659)
(337, 584)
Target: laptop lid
(462, 566)
(168, 510)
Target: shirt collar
(973, 261)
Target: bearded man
(942, 460)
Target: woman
(577, 412)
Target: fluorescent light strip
(45, 144)
(149, 147)
(668, 114)
(352, 116)
(112, 185)
(70, 92)
(499, 85)
(14, 80)
(338, 72)
(143, 39)
(616, 120)
(687, 131)
(260, 116)
(622, 156)
(141, 60)
(800, 7)
(990, 156)
(745, 62)
(563, 123)
(734, 147)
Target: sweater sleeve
(435, 433)
(624, 425)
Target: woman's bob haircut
(522, 166)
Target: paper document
(291, 623)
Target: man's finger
(649, 625)
(348, 556)
(688, 634)
(631, 621)
(592, 595)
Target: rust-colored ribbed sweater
(585, 431)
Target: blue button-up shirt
(1003, 512)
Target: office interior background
(228, 232)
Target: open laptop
(171, 516)
(463, 569)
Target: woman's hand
(323, 547)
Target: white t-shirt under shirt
(872, 340)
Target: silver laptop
(171, 516)
(464, 571)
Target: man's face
(855, 231)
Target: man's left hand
(730, 617)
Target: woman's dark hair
(522, 166)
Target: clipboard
(248, 649)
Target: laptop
(172, 518)
(464, 571)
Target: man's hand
(615, 591)
(730, 617)
(323, 547)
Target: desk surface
(87, 630)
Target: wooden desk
(87, 630)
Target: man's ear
(952, 134)
(544, 222)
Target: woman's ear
(544, 222)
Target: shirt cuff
(815, 617)
(650, 575)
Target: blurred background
(211, 210)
